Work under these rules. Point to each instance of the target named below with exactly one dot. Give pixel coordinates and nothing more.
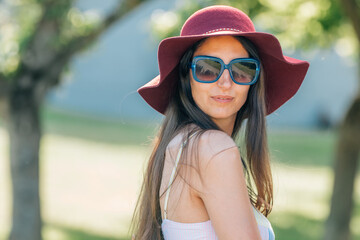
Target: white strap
(173, 175)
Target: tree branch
(47, 29)
(61, 58)
(80, 43)
(353, 13)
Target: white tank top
(203, 230)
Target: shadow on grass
(296, 227)
(308, 148)
(287, 226)
(57, 232)
(100, 129)
(292, 226)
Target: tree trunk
(347, 155)
(42, 62)
(24, 132)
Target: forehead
(225, 47)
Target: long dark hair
(182, 111)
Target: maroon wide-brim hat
(283, 74)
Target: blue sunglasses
(208, 69)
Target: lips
(222, 98)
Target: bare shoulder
(214, 136)
(213, 143)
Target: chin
(221, 116)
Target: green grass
(312, 148)
(57, 231)
(91, 173)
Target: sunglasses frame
(225, 66)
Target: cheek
(199, 92)
(242, 94)
(195, 91)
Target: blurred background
(75, 135)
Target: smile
(222, 99)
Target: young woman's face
(222, 99)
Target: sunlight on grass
(296, 187)
(99, 179)
(4, 185)
(54, 233)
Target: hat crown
(215, 19)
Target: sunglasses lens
(243, 72)
(207, 70)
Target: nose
(225, 79)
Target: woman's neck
(226, 125)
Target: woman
(216, 74)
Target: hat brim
(283, 75)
